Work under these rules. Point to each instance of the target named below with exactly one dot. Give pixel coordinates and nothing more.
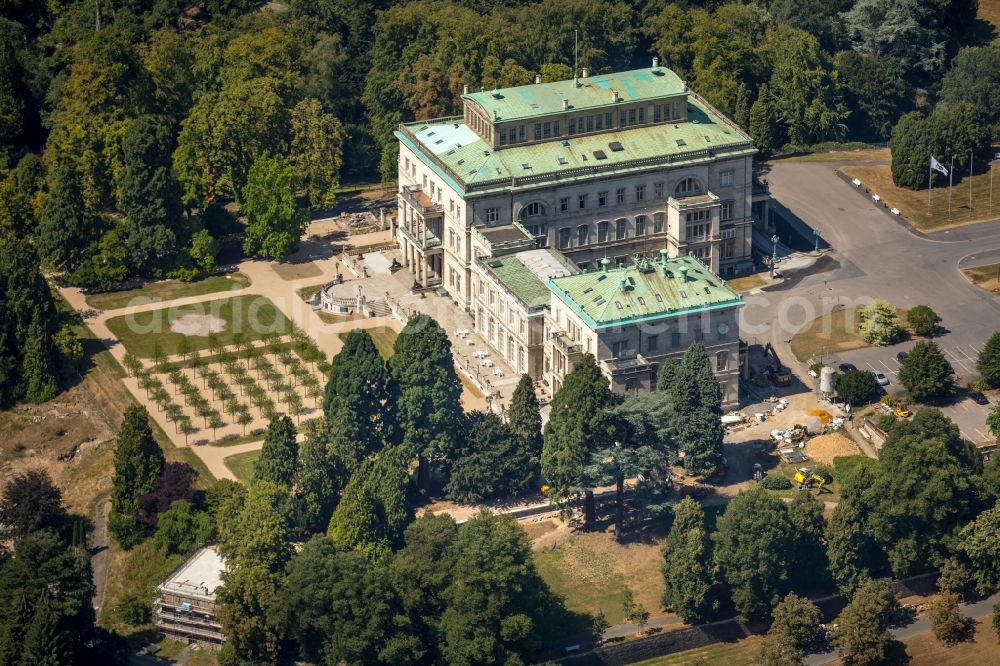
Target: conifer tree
(761, 122)
(39, 367)
(427, 393)
(988, 362)
(525, 418)
(138, 462)
(66, 228)
(742, 113)
(45, 642)
(578, 426)
(278, 457)
(696, 404)
(357, 390)
(317, 480)
(15, 627)
(686, 565)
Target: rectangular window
(538, 131)
(564, 204)
(726, 178)
(640, 226)
(572, 126)
(642, 115)
(658, 223)
(675, 340)
(590, 123)
(652, 342)
(619, 349)
(657, 113)
(721, 360)
(564, 236)
(582, 234)
(492, 215)
(726, 210)
(602, 198)
(406, 162)
(451, 205)
(555, 129)
(582, 201)
(622, 118)
(658, 190)
(631, 117)
(503, 136)
(640, 192)
(621, 229)
(602, 232)
(600, 121)
(546, 130)
(620, 195)
(607, 120)
(520, 133)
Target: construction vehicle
(778, 373)
(806, 478)
(901, 411)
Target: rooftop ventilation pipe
(583, 73)
(538, 78)
(465, 88)
(605, 262)
(615, 96)
(684, 273)
(565, 104)
(656, 62)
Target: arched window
(534, 209)
(688, 186)
(582, 235)
(602, 231)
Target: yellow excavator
(805, 477)
(901, 410)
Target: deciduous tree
(926, 373)
(862, 635)
(30, 502)
(856, 387)
(923, 320)
(795, 628)
(317, 140)
(356, 392)
(879, 323)
(275, 220)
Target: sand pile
(198, 324)
(825, 448)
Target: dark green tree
(254, 529)
(67, 228)
(496, 596)
(278, 457)
(275, 222)
(138, 462)
(754, 550)
(578, 426)
(856, 387)
(204, 249)
(696, 403)
(806, 515)
(874, 90)
(15, 625)
(30, 502)
(973, 77)
(39, 365)
(182, 528)
(923, 320)
(247, 593)
(988, 363)
(761, 130)
(795, 627)
(375, 507)
(339, 607)
(926, 373)
(317, 480)
(427, 393)
(742, 113)
(357, 393)
(977, 541)
(148, 194)
(862, 635)
(525, 418)
(46, 642)
(491, 463)
(687, 572)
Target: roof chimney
(605, 262)
(684, 273)
(615, 96)
(565, 104)
(538, 78)
(465, 88)
(624, 284)
(663, 256)
(583, 74)
(656, 62)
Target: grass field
(925, 650)
(252, 316)
(912, 204)
(747, 282)
(989, 10)
(740, 653)
(133, 572)
(866, 155)
(828, 334)
(167, 290)
(383, 337)
(242, 465)
(985, 277)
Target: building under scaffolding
(185, 602)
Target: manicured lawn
(252, 316)
(747, 282)
(243, 464)
(985, 277)
(912, 204)
(167, 290)
(828, 334)
(740, 653)
(925, 650)
(865, 155)
(383, 337)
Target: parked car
(901, 357)
(880, 378)
(979, 398)
(846, 367)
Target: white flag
(937, 166)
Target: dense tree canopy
(138, 462)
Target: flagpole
(950, 172)
(971, 158)
(929, 170)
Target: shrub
(816, 367)
(776, 482)
(947, 621)
(879, 323)
(888, 400)
(824, 472)
(856, 386)
(134, 609)
(979, 385)
(923, 320)
(886, 422)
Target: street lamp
(774, 250)
(816, 234)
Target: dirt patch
(195, 324)
(824, 448)
(300, 271)
(539, 528)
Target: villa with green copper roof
(605, 166)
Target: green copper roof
(644, 292)
(540, 99)
(458, 155)
(524, 274)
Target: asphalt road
(875, 255)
